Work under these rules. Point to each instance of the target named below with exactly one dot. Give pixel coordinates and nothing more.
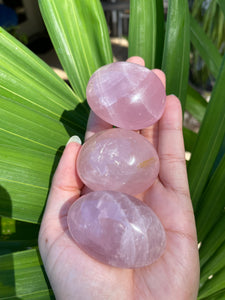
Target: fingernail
(75, 139)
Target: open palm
(75, 275)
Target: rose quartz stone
(118, 159)
(116, 229)
(126, 95)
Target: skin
(175, 275)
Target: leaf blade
(31, 87)
(38, 113)
(213, 265)
(214, 239)
(190, 138)
(94, 45)
(160, 35)
(222, 5)
(209, 140)
(214, 285)
(176, 49)
(22, 276)
(195, 104)
(209, 54)
(142, 31)
(25, 178)
(211, 200)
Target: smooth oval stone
(118, 159)
(126, 95)
(116, 229)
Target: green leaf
(212, 241)
(205, 46)
(222, 5)
(38, 114)
(216, 296)
(195, 104)
(25, 127)
(219, 156)
(190, 138)
(30, 81)
(142, 30)
(208, 18)
(37, 109)
(216, 284)
(213, 265)
(7, 226)
(10, 246)
(176, 49)
(196, 7)
(17, 235)
(80, 37)
(209, 140)
(160, 35)
(213, 193)
(22, 277)
(25, 177)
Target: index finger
(171, 149)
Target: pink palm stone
(118, 159)
(116, 229)
(126, 95)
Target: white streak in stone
(116, 229)
(107, 101)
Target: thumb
(66, 183)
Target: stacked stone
(109, 223)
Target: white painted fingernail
(75, 139)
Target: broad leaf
(214, 264)
(216, 296)
(38, 110)
(16, 235)
(209, 53)
(213, 285)
(142, 30)
(24, 127)
(79, 33)
(38, 113)
(10, 246)
(214, 239)
(176, 49)
(209, 140)
(22, 277)
(160, 20)
(190, 138)
(7, 226)
(212, 200)
(27, 79)
(25, 179)
(195, 104)
(222, 5)
(219, 156)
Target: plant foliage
(39, 112)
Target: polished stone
(126, 95)
(118, 159)
(116, 229)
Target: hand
(75, 275)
